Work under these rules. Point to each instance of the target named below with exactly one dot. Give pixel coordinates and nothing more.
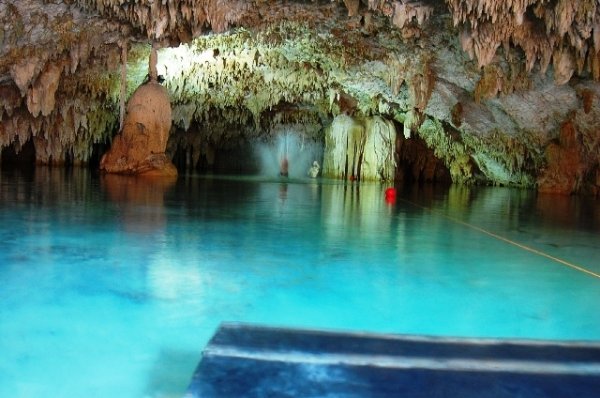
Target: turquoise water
(111, 287)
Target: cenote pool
(111, 287)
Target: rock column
(140, 147)
(360, 149)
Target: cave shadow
(14, 158)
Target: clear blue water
(112, 287)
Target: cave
(417, 163)
(18, 156)
(166, 166)
(238, 74)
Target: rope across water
(509, 241)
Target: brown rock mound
(140, 148)
(572, 162)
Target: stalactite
(139, 148)
(24, 72)
(339, 140)
(360, 149)
(401, 12)
(123, 88)
(405, 11)
(152, 71)
(41, 95)
(171, 18)
(352, 6)
(52, 64)
(316, 65)
(378, 159)
(10, 99)
(564, 32)
(500, 79)
(250, 73)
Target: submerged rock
(140, 147)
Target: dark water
(110, 287)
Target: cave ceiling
(489, 85)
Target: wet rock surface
(140, 148)
(487, 86)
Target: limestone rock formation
(563, 32)
(491, 88)
(360, 149)
(140, 148)
(572, 160)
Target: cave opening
(232, 158)
(17, 156)
(98, 150)
(259, 155)
(417, 163)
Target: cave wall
(500, 92)
(52, 89)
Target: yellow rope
(512, 242)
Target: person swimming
(314, 169)
(283, 167)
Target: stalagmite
(140, 147)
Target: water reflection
(563, 226)
(45, 185)
(141, 201)
(568, 211)
(324, 254)
(511, 205)
(350, 207)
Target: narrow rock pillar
(152, 71)
(123, 92)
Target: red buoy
(390, 195)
